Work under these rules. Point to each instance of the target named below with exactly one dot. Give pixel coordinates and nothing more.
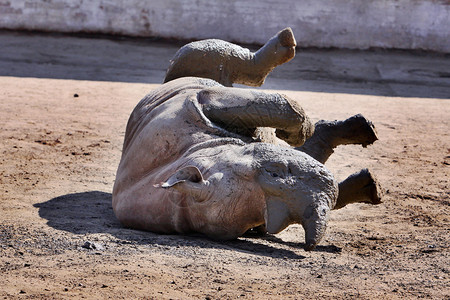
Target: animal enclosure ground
(61, 144)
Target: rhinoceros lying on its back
(201, 157)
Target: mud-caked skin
(186, 167)
(228, 63)
(201, 157)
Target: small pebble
(92, 246)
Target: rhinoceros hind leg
(278, 50)
(228, 63)
(330, 134)
(361, 187)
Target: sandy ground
(61, 144)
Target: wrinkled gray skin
(201, 157)
(228, 63)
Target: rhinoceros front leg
(330, 134)
(243, 110)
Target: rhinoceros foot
(286, 38)
(361, 187)
(356, 130)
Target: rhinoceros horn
(315, 223)
(277, 215)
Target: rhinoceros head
(294, 187)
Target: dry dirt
(61, 144)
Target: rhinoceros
(202, 157)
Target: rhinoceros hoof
(356, 130)
(359, 131)
(286, 38)
(375, 189)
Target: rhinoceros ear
(188, 180)
(189, 173)
(277, 215)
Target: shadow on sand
(91, 212)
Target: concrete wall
(404, 24)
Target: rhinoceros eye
(274, 171)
